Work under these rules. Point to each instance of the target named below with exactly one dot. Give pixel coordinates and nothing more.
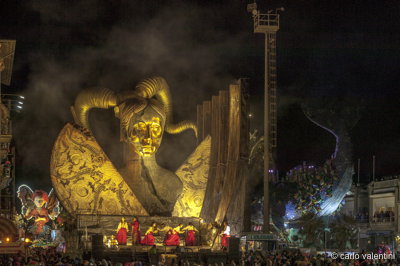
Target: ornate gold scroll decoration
(194, 175)
(84, 178)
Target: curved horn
(92, 98)
(158, 87)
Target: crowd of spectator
(43, 257)
(296, 258)
(39, 256)
(383, 216)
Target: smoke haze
(86, 44)
(325, 49)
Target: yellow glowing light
(7, 239)
(27, 240)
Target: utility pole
(358, 172)
(373, 168)
(268, 24)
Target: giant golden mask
(146, 136)
(144, 114)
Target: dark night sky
(347, 49)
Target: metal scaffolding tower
(268, 24)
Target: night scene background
(339, 50)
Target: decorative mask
(147, 136)
(144, 113)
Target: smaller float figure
(135, 231)
(225, 235)
(173, 238)
(122, 230)
(190, 239)
(148, 239)
(40, 206)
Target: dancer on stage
(135, 231)
(174, 239)
(121, 232)
(225, 235)
(190, 239)
(148, 239)
(168, 231)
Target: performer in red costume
(168, 231)
(173, 238)
(190, 239)
(121, 232)
(135, 231)
(225, 235)
(148, 239)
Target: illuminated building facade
(376, 211)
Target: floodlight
(251, 7)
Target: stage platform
(196, 254)
(106, 225)
(160, 249)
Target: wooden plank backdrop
(225, 119)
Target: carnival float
(207, 188)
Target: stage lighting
(8, 239)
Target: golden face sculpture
(146, 136)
